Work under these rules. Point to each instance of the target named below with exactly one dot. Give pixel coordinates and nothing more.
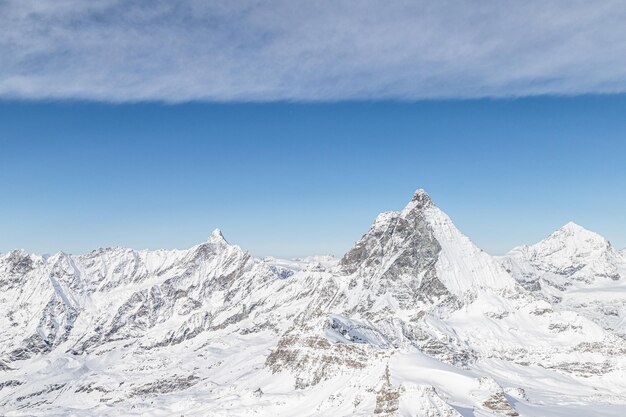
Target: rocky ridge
(414, 320)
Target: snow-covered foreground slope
(414, 320)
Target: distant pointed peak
(421, 196)
(573, 232)
(420, 200)
(217, 236)
(573, 227)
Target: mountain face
(414, 320)
(571, 256)
(575, 269)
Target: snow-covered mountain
(414, 320)
(575, 269)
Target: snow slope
(414, 320)
(575, 269)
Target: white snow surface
(462, 266)
(415, 320)
(578, 270)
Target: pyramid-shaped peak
(422, 243)
(574, 238)
(573, 230)
(420, 200)
(572, 227)
(217, 236)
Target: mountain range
(414, 320)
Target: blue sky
(292, 179)
(290, 125)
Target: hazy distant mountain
(414, 320)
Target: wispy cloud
(309, 50)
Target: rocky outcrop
(414, 320)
